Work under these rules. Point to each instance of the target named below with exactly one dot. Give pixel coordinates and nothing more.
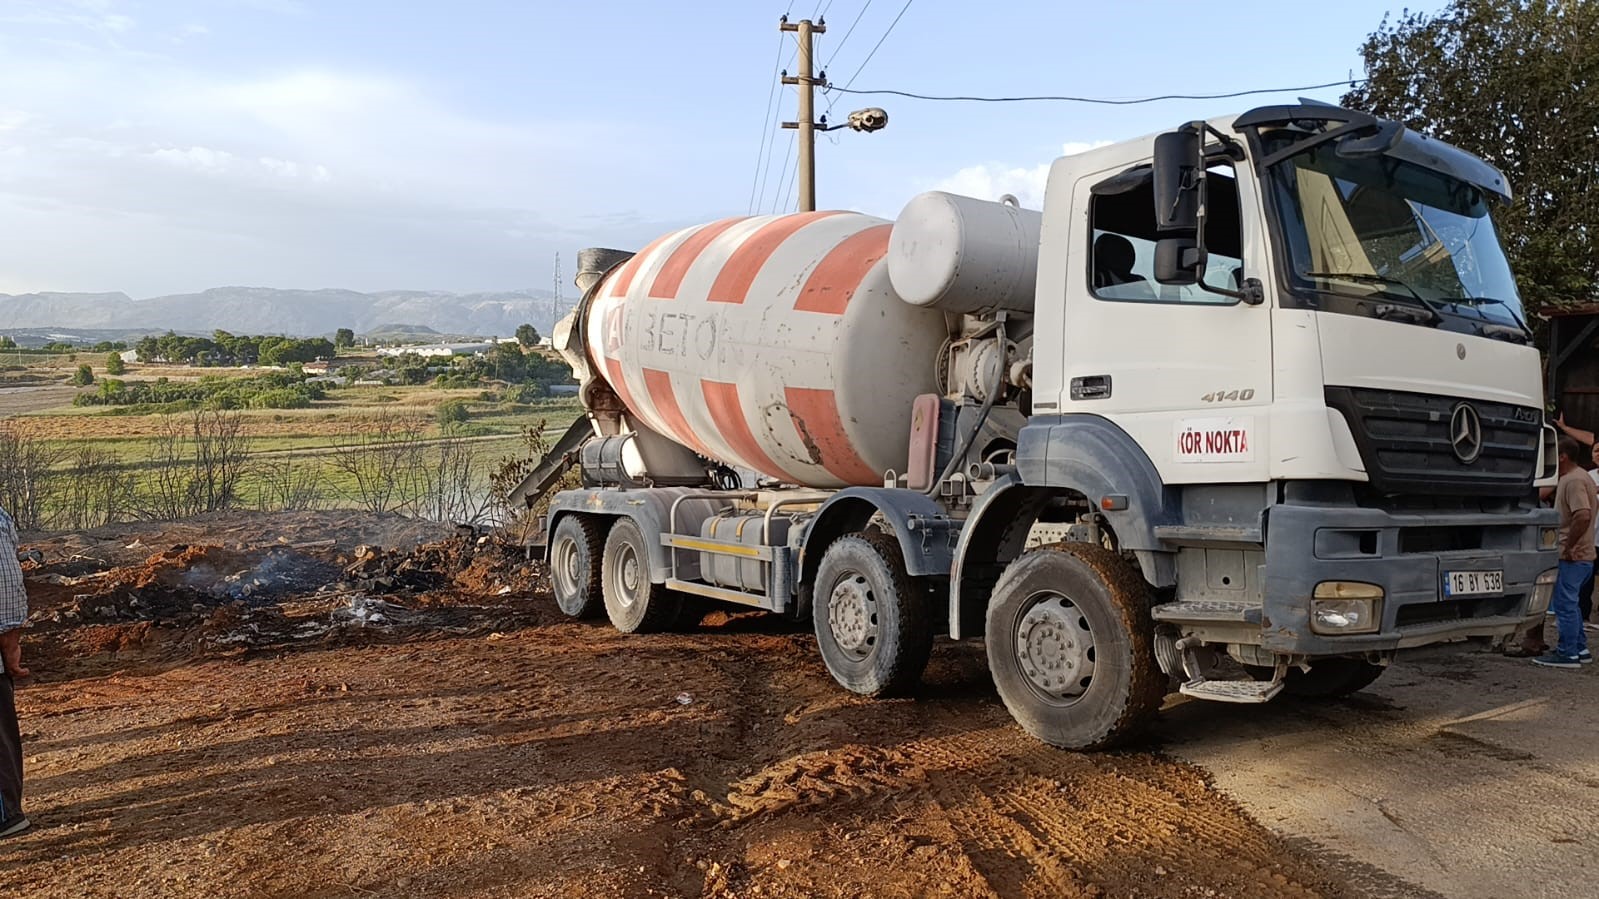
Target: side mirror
(1179, 168)
(1178, 260)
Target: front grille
(1404, 440)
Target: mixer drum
(775, 343)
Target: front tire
(873, 625)
(1071, 646)
(634, 603)
(575, 576)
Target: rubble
(195, 596)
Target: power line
(1100, 100)
(782, 175)
(847, 32)
(879, 43)
(766, 130)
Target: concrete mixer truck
(1247, 409)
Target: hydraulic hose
(969, 437)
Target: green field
(387, 448)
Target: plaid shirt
(13, 596)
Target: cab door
(1186, 372)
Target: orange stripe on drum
(625, 274)
(840, 273)
(821, 428)
(659, 385)
(738, 273)
(613, 371)
(670, 276)
(721, 398)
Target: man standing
(13, 615)
(1574, 499)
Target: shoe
(14, 826)
(1556, 660)
(1585, 657)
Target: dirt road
(466, 741)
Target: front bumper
(1407, 555)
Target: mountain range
(298, 313)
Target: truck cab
(1317, 368)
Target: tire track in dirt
(1033, 821)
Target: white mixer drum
(774, 343)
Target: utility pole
(555, 301)
(806, 81)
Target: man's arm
(1575, 433)
(13, 600)
(1580, 519)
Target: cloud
(179, 179)
(990, 181)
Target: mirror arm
(1253, 294)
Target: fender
(651, 510)
(986, 540)
(1094, 457)
(1083, 454)
(925, 532)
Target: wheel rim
(627, 575)
(852, 615)
(566, 568)
(1055, 648)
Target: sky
(167, 146)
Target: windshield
(1375, 227)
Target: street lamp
(872, 118)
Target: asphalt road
(1471, 776)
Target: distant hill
(267, 310)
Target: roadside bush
(83, 377)
(114, 365)
(282, 398)
(452, 412)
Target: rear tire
(872, 621)
(1071, 646)
(634, 603)
(575, 552)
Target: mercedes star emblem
(1465, 433)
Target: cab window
(1122, 249)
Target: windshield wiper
(1526, 332)
(1384, 281)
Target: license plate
(1473, 583)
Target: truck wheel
(575, 552)
(872, 622)
(1331, 678)
(1071, 646)
(634, 603)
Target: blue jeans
(1568, 582)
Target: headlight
(1346, 607)
(1547, 538)
(1543, 590)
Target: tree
(6, 343)
(527, 336)
(114, 364)
(1516, 83)
(83, 377)
(508, 362)
(344, 337)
